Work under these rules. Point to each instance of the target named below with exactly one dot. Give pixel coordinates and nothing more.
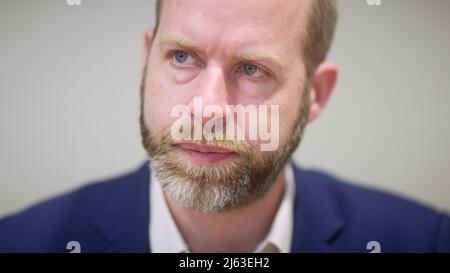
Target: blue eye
(181, 56)
(250, 69)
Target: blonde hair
(320, 28)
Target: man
(219, 184)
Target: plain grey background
(69, 81)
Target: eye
(250, 69)
(253, 71)
(182, 57)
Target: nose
(212, 89)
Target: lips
(205, 154)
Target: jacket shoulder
(49, 225)
(400, 224)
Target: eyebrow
(169, 39)
(262, 56)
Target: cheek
(289, 113)
(157, 108)
(160, 97)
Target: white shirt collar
(165, 236)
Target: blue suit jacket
(329, 216)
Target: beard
(229, 184)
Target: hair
(321, 24)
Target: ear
(323, 83)
(148, 38)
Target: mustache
(240, 147)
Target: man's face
(224, 52)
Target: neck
(237, 230)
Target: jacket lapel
(317, 221)
(123, 220)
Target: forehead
(237, 22)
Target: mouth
(205, 154)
